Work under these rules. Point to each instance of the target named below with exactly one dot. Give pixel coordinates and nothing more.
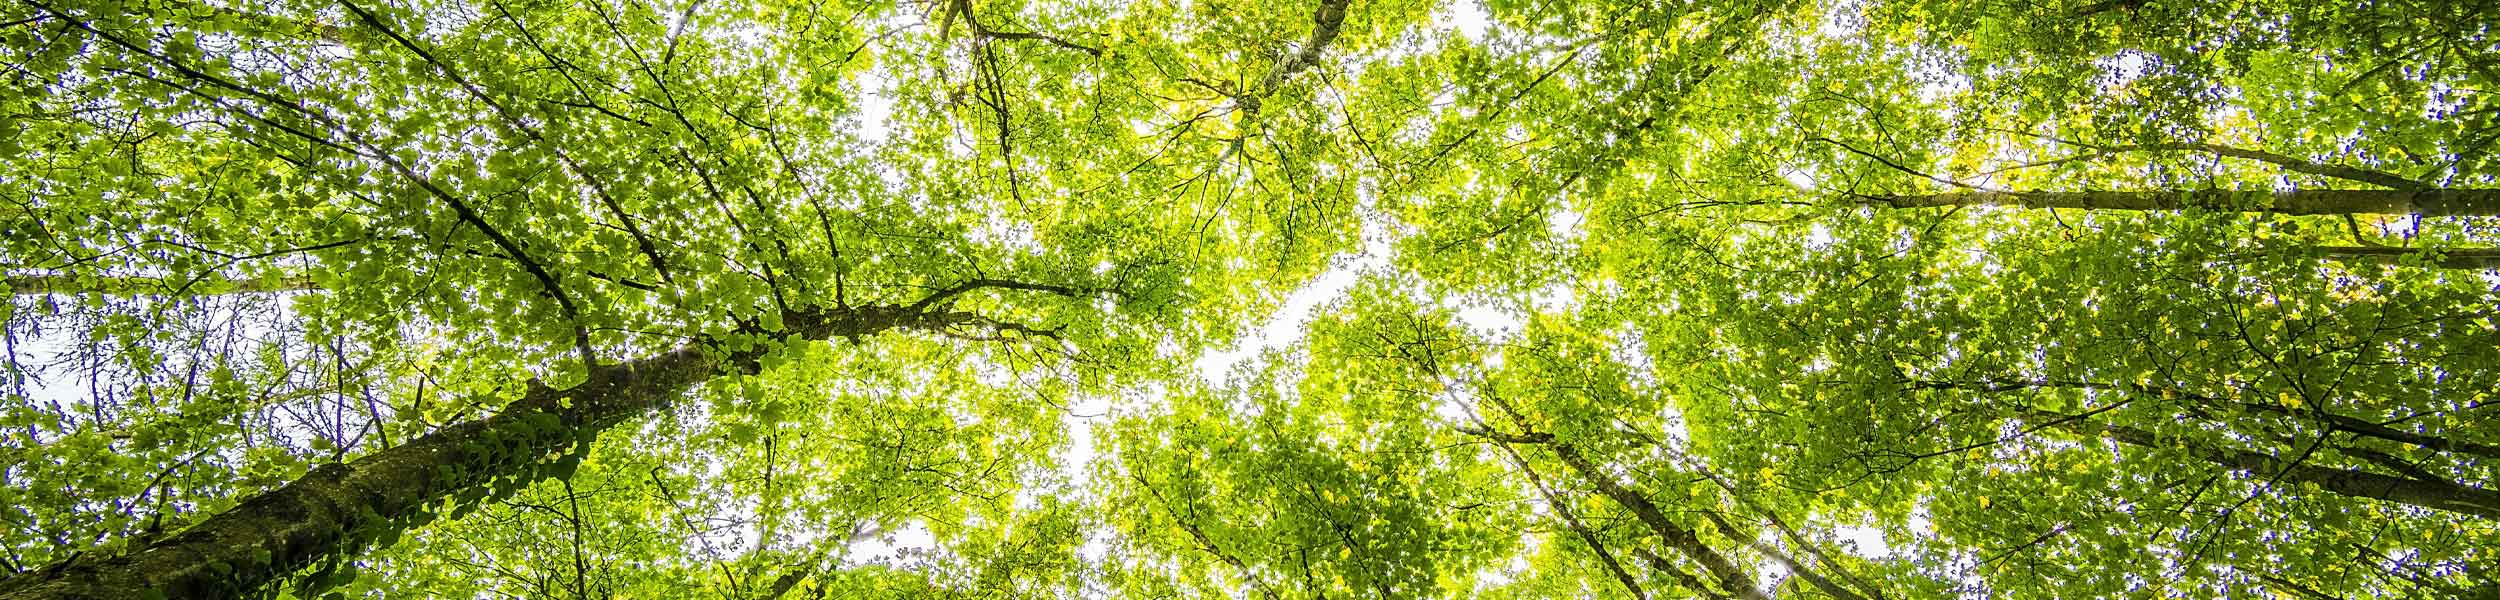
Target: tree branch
(945, 295)
(981, 31)
(642, 241)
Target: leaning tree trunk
(2454, 258)
(2428, 203)
(1730, 575)
(2374, 429)
(338, 508)
(2426, 493)
(1562, 509)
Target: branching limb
(983, 31)
(642, 240)
(1562, 509)
(1326, 23)
(1204, 541)
(943, 296)
(361, 147)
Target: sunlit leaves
(1593, 257)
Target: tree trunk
(1683, 540)
(1562, 508)
(2454, 258)
(2339, 422)
(2428, 203)
(1730, 575)
(1800, 541)
(2431, 494)
(2368, 428)
(1828, 587)
(337, 508)
(150, 286)
(1662, 565)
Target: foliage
(1311, 299)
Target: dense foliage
(1850, 299)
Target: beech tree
(1280, 299)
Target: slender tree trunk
(1563, 509)
(1206, 542)
(1802, 571)
(2294, 164)
(1662, 565)
(2428, 203)
(1794, 538)
(146, 286)
(2431, 494)
(337, 508)
(2455, 258)
(2368, 428)
(2337, 421)
(1730, 575)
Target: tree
(444, 203)
(1274, 299)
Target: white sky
(1467, 17)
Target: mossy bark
(336, 509)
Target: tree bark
(2430, 494)
(1683, 540)
(2368, 428)
(2297, 165)
(2428, 203)
(1730, 575)
(335, 508)
(1326, 22)
(1828, 587)
(1563, 509)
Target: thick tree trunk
(2431, 494)
(2428, 203)
(338, 507)
(1326, 22)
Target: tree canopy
(1274, 299)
